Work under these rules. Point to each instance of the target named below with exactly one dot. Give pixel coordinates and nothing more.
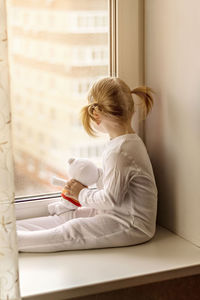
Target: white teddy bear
(82, 170)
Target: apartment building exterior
(57, 48)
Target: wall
(172, 132)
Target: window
(55, 51)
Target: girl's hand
(74, 187)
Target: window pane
(56, 49)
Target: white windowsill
(33, 208)
(64, 275)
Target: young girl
(122, 210)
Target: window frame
(125, 61)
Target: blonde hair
(112, 97)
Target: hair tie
(94, 105)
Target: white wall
(172, 68)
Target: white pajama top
(126, 189)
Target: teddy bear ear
(71, 160)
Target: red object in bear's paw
(72, 200)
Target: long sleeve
(114, 186)
(99, 183)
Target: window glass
(56, 49)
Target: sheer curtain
(9, 280)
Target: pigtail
(144, 93)
(86, 116)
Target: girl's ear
(97, 117)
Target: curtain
(9, 280)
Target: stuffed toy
(80, 169)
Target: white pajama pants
(83, 228)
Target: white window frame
(126, 61)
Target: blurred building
(57, 48)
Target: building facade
(56, 48)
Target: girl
(122, 210)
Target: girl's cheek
(99, 127)
(94, 125)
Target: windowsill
(64, 275)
